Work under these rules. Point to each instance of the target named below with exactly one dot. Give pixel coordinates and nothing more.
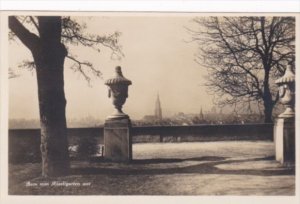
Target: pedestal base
(117, 140)
(284, 139)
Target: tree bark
(267, 98)
(49, 55)
(268, 109)
(49, 59)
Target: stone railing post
(117, 127)
(284, 124)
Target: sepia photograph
(151, 104)
(171, 104)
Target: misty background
(158, 60)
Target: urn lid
(118, 79)
(288, 77)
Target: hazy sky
(157, 60)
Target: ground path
(199, 168)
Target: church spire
(201, 114)
(158, 112)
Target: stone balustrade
(24, 143)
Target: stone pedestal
(117, 140)
(284, 139)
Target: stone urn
(118, 91)
(287, 92)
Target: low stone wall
(203, 133)
(24, 143)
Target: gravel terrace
(199, 168)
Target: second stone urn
(118, 91)
(287, 92)
(284, 124)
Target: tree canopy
(243, 56)
(73, 33)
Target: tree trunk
(49, 55)
(267, 98)
(268, 109)
(49, 58)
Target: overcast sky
(157, 60)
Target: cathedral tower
(158, 112)
(201, 115)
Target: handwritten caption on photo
(57, 183)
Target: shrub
(87, 146)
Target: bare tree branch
(241, 54)
(30, 65)
(12, 74)
(34, 23)
(29, 39)
(72, 33)
(80, 65)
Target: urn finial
(118, 91)
(287, 91)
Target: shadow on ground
(208, 166)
